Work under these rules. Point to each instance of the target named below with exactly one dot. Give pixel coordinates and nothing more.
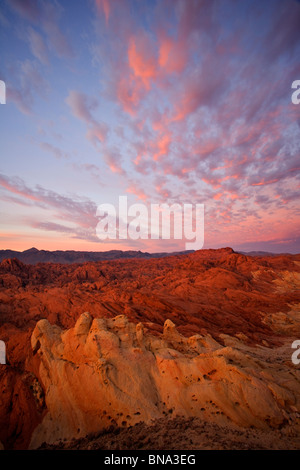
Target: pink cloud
(264, 182)
(131, 78)
(162, 191)
(80, 211)
(103, 6)
(202, 87)
(162, 146)
(17, 187)
(218, 196)
(142, 59)
(81, 105)
(97, 133)
(129, 94)
(173, 55)
(139, 192)
(113, 159)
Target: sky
(166, 101)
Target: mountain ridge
(35, 256)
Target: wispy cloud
(45, 15)
(77, 210)
(38, 46)
(82, 107)
(31, 83)
(57, 152)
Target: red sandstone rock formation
(106, 371)
(210, 292)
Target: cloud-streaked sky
(166, 101)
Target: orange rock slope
(228, 360)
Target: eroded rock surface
(111, 371)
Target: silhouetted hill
(261, 253)
(35, 256)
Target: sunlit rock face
(111, 371)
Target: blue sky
(185, 101)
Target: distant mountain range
(35, 256)
(262, 253)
